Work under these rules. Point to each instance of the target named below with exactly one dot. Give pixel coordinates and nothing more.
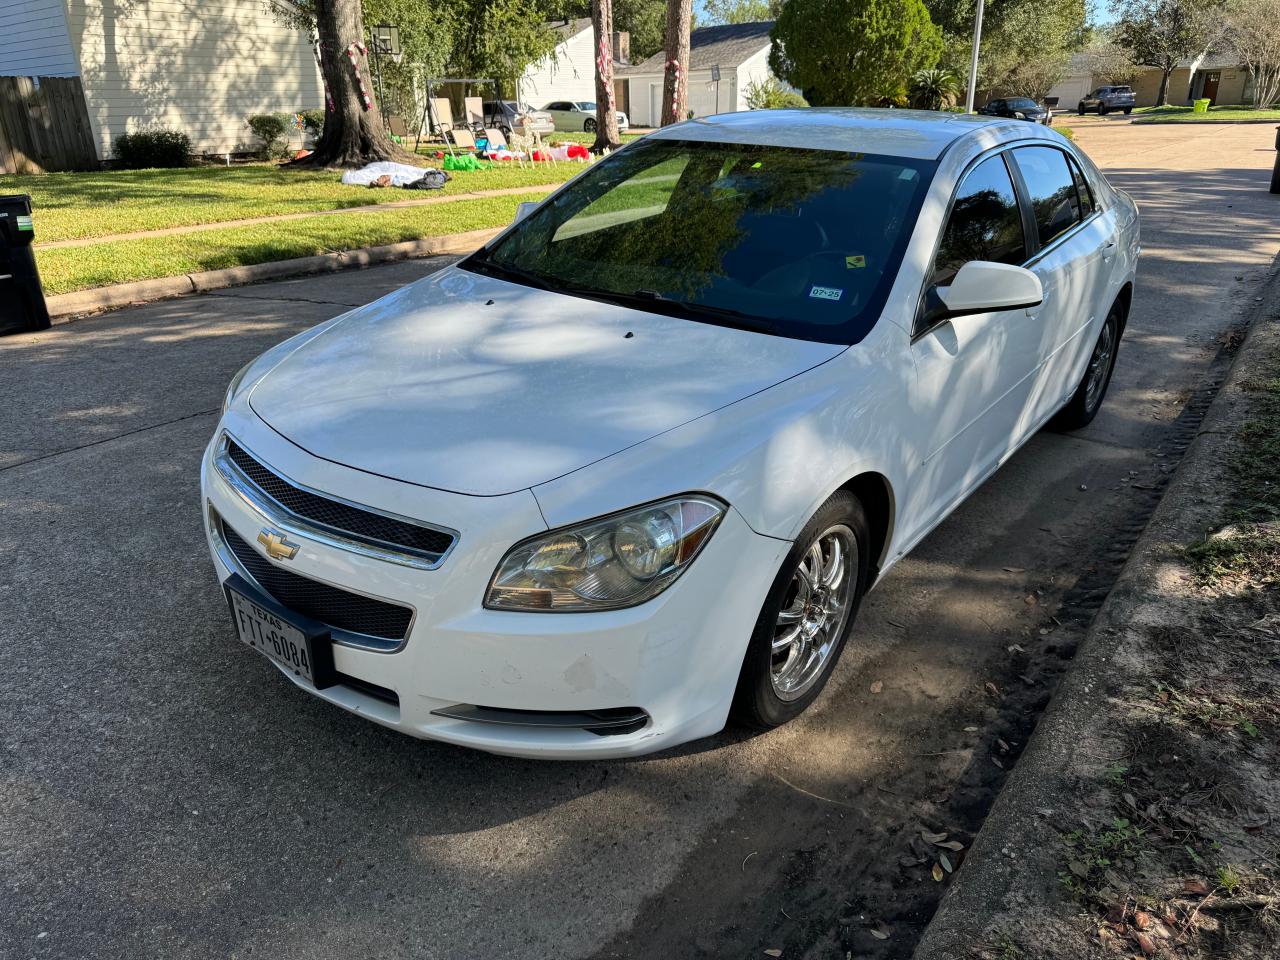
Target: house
(1218, 78)
(569, 71)
(739, 50)
(201, 68)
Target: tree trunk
(353, 135)
(606, 108)
(675, 83)
(1162, 98)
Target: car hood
(475, 385)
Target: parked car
(631, 467)
(1017, 108)
(579, 115)
(1107, 99)
(508, 116)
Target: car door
(974, 373)
(1075, 243)
(557, 109)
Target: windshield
(794, 242)
(1022, 103)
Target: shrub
(153, 148)
(270, 128)
(313, 123)
(934, 89)
(770, 95)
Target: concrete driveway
(165, 793)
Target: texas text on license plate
(272, 635)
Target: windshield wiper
(646, 299)
(503, 271)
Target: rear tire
(807, 616)
(1128, 110)
(1087, 400)
(589, 125)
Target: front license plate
(270, 634)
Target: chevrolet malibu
(629, 470)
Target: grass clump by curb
(1247, 550)
(66, 269)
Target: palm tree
(934, 89)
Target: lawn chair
(443, 114)
(474, 109)
(496, 140)
(462, 138)
(398, 130)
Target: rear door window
(984, 223)
(1051, 190)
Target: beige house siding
(200, 68)
(35, 40)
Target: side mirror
(526, 207)
(984, 287)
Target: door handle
(1108, 251)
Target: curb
(68, 306)
(1011, 867)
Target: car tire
(1128, 110)
(1080, 111)
(1102, 111)
(776, 683)
(1092, 390)
(589, 125)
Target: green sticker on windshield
(855, 262)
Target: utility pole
(973, 64)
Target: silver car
(509, 115)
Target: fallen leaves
(1195, 886)
(773, 952)
(877, 686)
(1145, 943)
(937, 873)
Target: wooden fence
(44, 125)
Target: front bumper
(511, 683)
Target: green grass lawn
(1184, 114)
(73, 206)
(65, 269)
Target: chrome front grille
(351, 526)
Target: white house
(201, 68)
(569, 72)
(740, 50)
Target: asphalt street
(165, 793)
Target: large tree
(1026, 44)
(1253, 33)
(1163, 33)
(741, 11)
(606, 108)
(353, 130)
(644, 20)
(675, 81)
(853, 52)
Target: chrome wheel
(814, 612)
(1099, 367)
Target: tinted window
(984, 223)
(1050, 188)
(1083, 190)
(1023, 104)
(797, 242)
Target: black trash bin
(22, 306)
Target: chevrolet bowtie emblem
(277, 547)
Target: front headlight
(616, 561)
(234, 386)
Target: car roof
(913, 134)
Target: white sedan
(629, 470)
(579, 115)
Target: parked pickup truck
(1106, 99)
